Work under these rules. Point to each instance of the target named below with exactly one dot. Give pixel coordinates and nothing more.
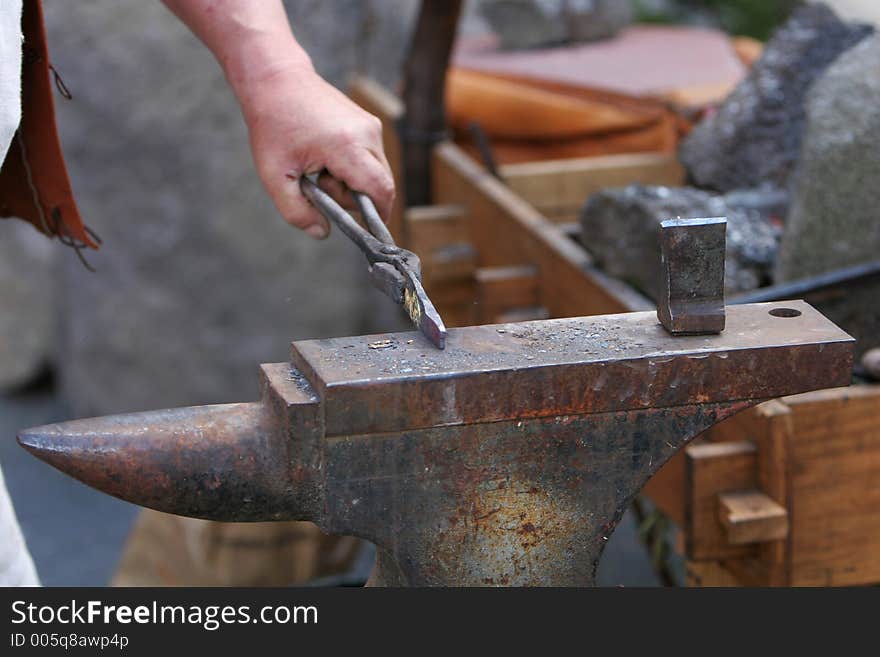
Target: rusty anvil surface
(508, 458)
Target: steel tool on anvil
(394, 270)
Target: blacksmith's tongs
(394, 270)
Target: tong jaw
(395, 271)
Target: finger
(337, 189)
(295, 208)
(380, 156)
(363, 172)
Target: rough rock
(536, 23)
(620, 229)
(755, 135)
(26, 292)
(198, 280)
(834, 219)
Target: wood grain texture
(750, 516)
(502, 290)
(709, 573)
(559, 188)
(835, 487)
(711, 469)
(507, 231)
(432, 227)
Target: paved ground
(76, 534)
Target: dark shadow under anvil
(508, 458)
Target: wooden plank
(835, 487)
(455, 302)
(666, 488)
(774, 436)
(438, 234)
(452, 263)
(506, 230)
(709, 573)
(751, 517)
(380, 102)
(711, 469)
(559, 188)
(435, 226)
(819, 455)
(524, 314)
(504, 289)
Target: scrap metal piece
(507, 460)
(691, 298)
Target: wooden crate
(787, 493)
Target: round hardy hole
(785, 312)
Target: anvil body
(507, 459)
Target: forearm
(251, 40)
(297, 123)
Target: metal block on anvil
(508, 458)
(692, 288)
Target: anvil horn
(224, 462)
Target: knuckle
(346, 137)
(375, 125)
(386, 185)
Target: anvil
(507, 459)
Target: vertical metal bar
(424, 119)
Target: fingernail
(317, 231)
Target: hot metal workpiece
(507, 459)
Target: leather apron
(34, 184)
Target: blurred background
(198, 280)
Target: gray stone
(856, 312)
(620, 229)
(26, 310)
(755, 136)
(536, 23)
(594, 20)
(198, 279)
(834, 220)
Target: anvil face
(506, 459)
(374, 384)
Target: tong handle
(371, 216)
(324, 203)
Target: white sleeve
(10, 72)
(16, 565)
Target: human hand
(299, 124)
